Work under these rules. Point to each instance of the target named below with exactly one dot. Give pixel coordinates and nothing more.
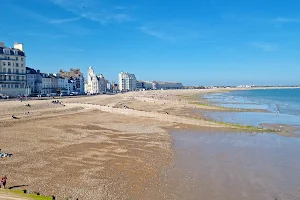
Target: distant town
(18, 80)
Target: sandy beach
(94, 147)
(97, 147)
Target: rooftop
(11, 50)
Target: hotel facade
(95, 84)
(127, 81)
(12, 70)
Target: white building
(63, 86)
(12, 70)
(95, 84)
(127, 81)
(46, 84)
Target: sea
(282, 107)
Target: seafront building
(158, 85)
(12, 70)
(49, 84)
(95, 84)
(127, 82)
(146, 85)
(76, 79)
(17, 79)
(34, 80)
(52, 84)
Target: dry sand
(92, 147)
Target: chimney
(19, 46)
(1, 44)
(38, 71)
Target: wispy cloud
(152, 32)
(287, 20)
(171, 31)
(265, 46)
(60, 21)
(66, 28)
(95, 10)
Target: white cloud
(60, 21)
(265, 46)
(95, 10)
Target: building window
(17, 71)
(16, 86)
(8, 85)
(8, 63)
(9, 71)
(22, 71)
(17, 58)
(4, 63)
(21, 65)
(17, 64)
(4, 69)
(17, 77)
(4, 85)
(21, 59)
(9, 78)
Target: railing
(6, 59)
(11, 58)
(11, 73)
(12, 80)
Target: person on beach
(3, 181)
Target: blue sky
(209, 42)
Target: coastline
(114, 144)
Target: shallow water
(283, 104)
(284, 101)
(244, 106)
(253, 118)
(231, 166)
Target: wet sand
(219, 165)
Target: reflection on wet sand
(231, 166)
